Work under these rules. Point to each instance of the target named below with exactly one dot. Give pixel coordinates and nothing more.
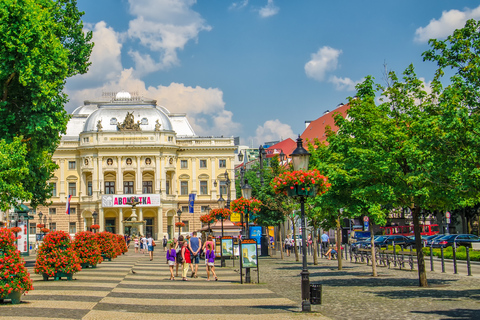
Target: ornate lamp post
(221, 205)
(179, 213)
(265, 239)
(247, 194)
(300, 158)
(94, 216)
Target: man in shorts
(164, 242)
(194, 244)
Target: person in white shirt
(144, 243)
(150, 244)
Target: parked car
(427, 241)
(362, 244)
(464, 240)
(384, 241)
(358, 235)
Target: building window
(72, 189)
(128, 187)
(223, 188)
(87, 139)
(54, 189)
(109, 187)
(73, 211)
(89, 188)
(167, 187)
(52, 210)
(203, 187)
(183, 187)
(53, 226)
(110, 225)
(186, 228)
(33, 228)
(203, 163)
(147, 186)
(183, 164)
(71, 165)
(149, 227)
(170, 139)
(222, 163)
(72, 228)
(184, 209)
(204, 209)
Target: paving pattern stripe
(83, 287)
(196, 292)
(194, 311)
(62, 297)
(56, 304)
(33, 318)
(33, 314)
(165, 277)
(37, 283)
(198, 303)
(191, 295)
(87, 293)
(115, 315)
(182, 284)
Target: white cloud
(272, 130)
(326, 59)
(448, 22)
(269, 10)
(238, 5)
(164, 27)
(346, 84)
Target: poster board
(227, 246)
(218, 247)
(248, 257)
(22, 242)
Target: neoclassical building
(121, 146)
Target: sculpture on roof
(129, 123)
(99, 125)
(157, 125)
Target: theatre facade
(122, 146)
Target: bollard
(431, 259)
(350, 248)
(469, 271)
(346, 251)
(394, 255)
(454, 258)
(443, 260)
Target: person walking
(144, 244)
(150, 245)
(187, 261)
(310, 244)
(164, 242)
(171, 259)
(288, 244)
(194, 244)
(178, 249)
(210, 260)
(325, 241)
(136, 244)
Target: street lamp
(265, 239)
(94, 216)
(208, 210)
(300, 158)
(179, 213)
(221, 205)
(247, 194)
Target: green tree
(42, 45)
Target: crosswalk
(113, 291)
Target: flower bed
(87, 249)
(300, 183)
(56, 256)
(108, 245)
(121, 243)
(14, 277)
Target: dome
(122, 95)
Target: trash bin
(315, 293)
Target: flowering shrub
(13, 274)
(56, 255)
(252, 205)
(179, 224)
(94, 226)
(307, 180)
(218, 213)
(87, 249)
(45, 230)
(121, 243)
(207, 218)
(15, 229)
(107, 244)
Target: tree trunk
(295, 240)
(281, 241)
(314, 244)
(422, 274)
(374, 260)
(339, 244)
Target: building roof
(316, 128)
(287, 146)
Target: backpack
(179, 256)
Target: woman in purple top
(210, 261)
(171, 257)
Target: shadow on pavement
(461, 314)
(430, 293)
(375, 282)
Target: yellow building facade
(123, 146)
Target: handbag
(153, 243)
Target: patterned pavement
(113, 291)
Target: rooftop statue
(129, 123)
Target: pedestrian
(171, 259)
(136, 244)
(150, 245)
(325, 241)
(194, 244)
(309, 244)
(178, 249)
(210, 259)
(330, 252)
(165, 241)
(128, 240)
(186, 259)
(288, 244)
(144, 244)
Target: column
(61, 189)
(119, 182)
(160, 232)
(95, 178)
(140, 218)
(120, 222)
(138, 180)
(83, 185)
(163, 176)
(194, 175)
(157, 176)
(85, 224)
(101, 219)
(100, 175)
(214, 177)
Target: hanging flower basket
(40, 225)
(94, 227)
(45, 230)
(240, 205)
(16, 229)
(301, 183)
(221, 213)
(207, 218)
(179, 224)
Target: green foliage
(461, 253)
(42, 44)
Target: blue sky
(256, 68)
